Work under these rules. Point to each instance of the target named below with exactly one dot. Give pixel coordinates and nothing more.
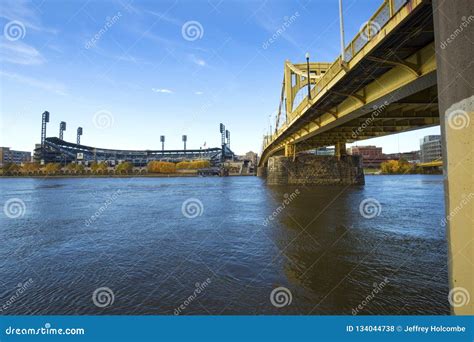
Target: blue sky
(127, 72)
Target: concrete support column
(262, 171)
(290, 150)
(454, 37)
(340, 149)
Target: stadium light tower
(222, 130)
(62, 128)
(162, 139)
(185, 138)
(44, 121)
(227, 135)
(79, 133)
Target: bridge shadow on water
(373, 249)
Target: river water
(221, 246)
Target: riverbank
(157, 175)
(378, 172)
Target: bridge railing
(371, 28)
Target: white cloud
(198, 92)
(20, 53)
(162, 90)
(197, 60)
(51, 86)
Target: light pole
(222, 130)
(309, 78)
(79, 133)
(62, 128)
(162, 139)
(341, 22)
(270, 125)
(185, 138)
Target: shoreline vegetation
(400, 167)
(102, 169)
(167, 169)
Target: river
(229, 245)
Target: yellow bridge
(385, 84)
(410, 67)
(434, 163)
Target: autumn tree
(99, 168)
(52, 168)
(156, 166)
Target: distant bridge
(434, 163)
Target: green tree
(124, 168)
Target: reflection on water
(131, 236)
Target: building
(8, 156)
(56, 150)
(252, 157)
(430, 148)
(372, 156)
(411, 157)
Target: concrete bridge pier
(454, 37)
(313, 169)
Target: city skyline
(128, 73)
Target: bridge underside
(417, 111)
